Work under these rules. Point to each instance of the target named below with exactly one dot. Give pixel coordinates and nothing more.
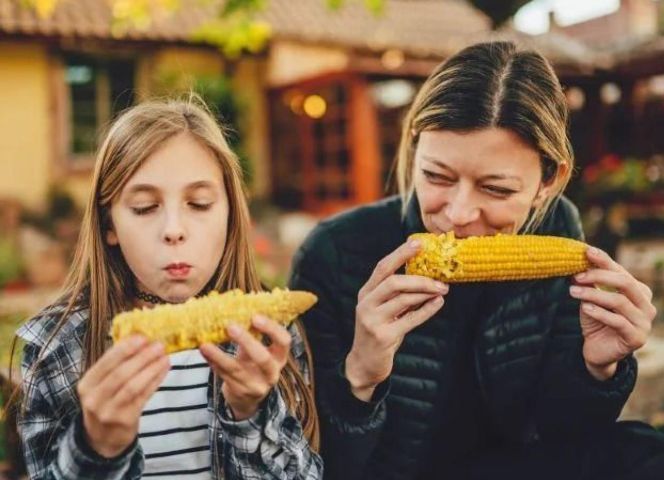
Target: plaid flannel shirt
(269, 445)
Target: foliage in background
(613, 175)
(11, 264)
(219, 95)
(233, 26)
(60, 205)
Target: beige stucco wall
(25, 123)
(291, 62)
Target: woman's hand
(615, 321)
(389, 306)
(250, 376)
(114, 391)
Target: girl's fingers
(140, 385)
(622, 281)
(396, 284)
(404, 302)
(631, 335)
(413, 319)
(612, 301)
(127, 370)
(389, 265)
(111, 359)
(257, 353)
(279, 336)
(223, 364)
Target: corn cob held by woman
(496, 258)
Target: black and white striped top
(173, 429)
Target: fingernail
(138, 341)
(259, 320)
(414, 244)
(157, 347)
(580, 276)
(234, 331)
(593, 251)
(438, 300)
(441, 286)
(588, 307)
(575, 290)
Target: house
(323, 101)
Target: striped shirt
(271, 444)
(173, 429)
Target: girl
(422, 380)
(166, 220)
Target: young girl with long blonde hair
(166, 220)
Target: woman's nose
(462, 209)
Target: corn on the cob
(201, 320)
(496, 258)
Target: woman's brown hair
(493, 85)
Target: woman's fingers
(415, 318)
(396, 284)
(632, 336)
(402, 303)
(612, 301)
(618, 280)
(389, 265)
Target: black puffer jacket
(526, 352)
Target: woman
(417, 379)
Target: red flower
(591, 173)
(611, 162)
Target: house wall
(25, 123)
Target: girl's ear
(111, 237)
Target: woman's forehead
(486, 149)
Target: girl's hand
(615, 322)
(114, 391)
(249, 377)
(389, 306)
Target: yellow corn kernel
(495, 258)
(202, 320)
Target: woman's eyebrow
(437, 162)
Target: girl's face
(476, 183)
(171, 218)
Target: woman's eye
(500, 191)
(436, 177)
(143, 210)
(200, 206)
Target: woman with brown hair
(166, 220)
(418, 379)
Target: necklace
(148, 297)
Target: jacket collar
(412, 220)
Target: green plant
(60, 205)
(11, 263)
(221, 98)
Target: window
(97, 90)
(311, 148)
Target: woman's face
(480, 182)
(170, 220)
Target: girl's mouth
(178, 270)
